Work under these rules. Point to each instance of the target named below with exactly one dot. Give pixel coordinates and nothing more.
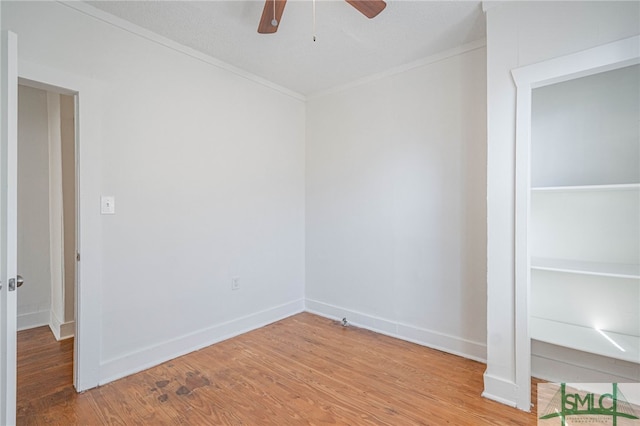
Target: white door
(8, 225)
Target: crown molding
(477, 44)
(134, 29)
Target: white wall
(518, 34)
(207, 170)
(586, 131)
(396, 204)
(34, 297)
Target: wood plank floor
(302, 370)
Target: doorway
(47, 218)
(601, 59)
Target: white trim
(61, 330)
(151, 356)
(446, 54)
(522, 260)
(443, 342)
(591, 61)
(33, 320)
(495, 388)
(67, 330)
(618, 270)
(598, 59)
(589, 188)
(134, 29)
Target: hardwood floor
(302, 370)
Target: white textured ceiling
(348, 45)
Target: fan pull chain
(274, 21)
(314, 20)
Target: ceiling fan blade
(266, 21)
(369, 8)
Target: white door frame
(87, 93)
(599, 59)
(8, 225)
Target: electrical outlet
(235, 283)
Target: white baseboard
(33, 320)
(454, 345)
(143, 359)
(61, 330)
(564, 365)
(500, 390)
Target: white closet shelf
(618, 270)
(587, 188)
(605, 343)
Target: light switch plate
(107, 204)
